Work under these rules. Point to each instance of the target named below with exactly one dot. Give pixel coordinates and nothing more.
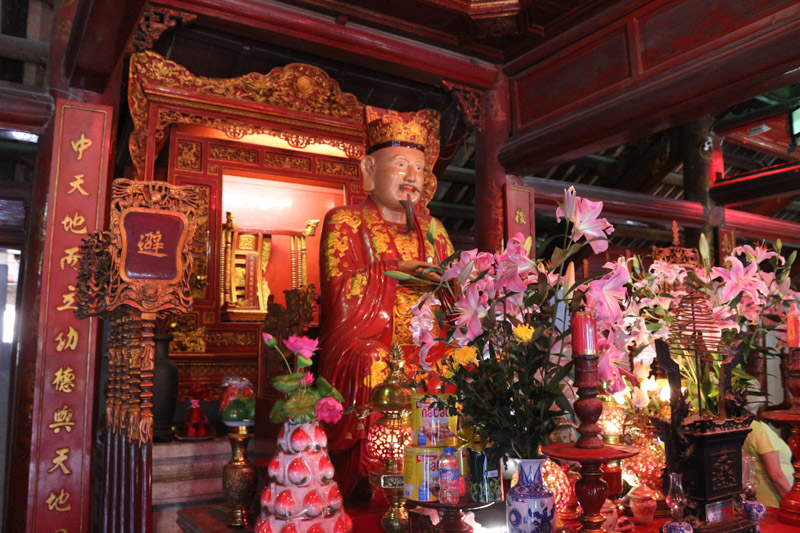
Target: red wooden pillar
(490, 176)
(53, 378)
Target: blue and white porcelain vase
(530, 507)
(754, 510)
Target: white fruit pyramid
(301, 496)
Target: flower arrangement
(504, 320)
(307, 398)
(748, 298)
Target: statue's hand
(416, 268)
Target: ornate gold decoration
(188, 155)
(337, 168)
(287, 161)
(155, 20)
(230, 338)
(227, 153)
(132, 304)
(677, 254)
(295, 87)
(247, 242)
(199, 246)
(209, 317)
(195, 371)
(723, 471)
(212, 169)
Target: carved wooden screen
(206, 124)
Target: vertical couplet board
(520, 213)
(65, 384)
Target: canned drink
(421, 473)
(431, 425)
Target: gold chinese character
(519, 216)
(59, 460)
(80, 145)
(58, 503)
(150, 244)
(62, 418)
(75, 185)
(67, 299)
(74, 224)
(64, 379)
(62, 531)
(71, 259)
(68, 341)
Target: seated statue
(363, 311)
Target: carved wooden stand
(589, 451)
(129, 275)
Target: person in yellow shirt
(773, 461)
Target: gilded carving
(209, 317)
(295, 87)
(287, 161)
(212, 169)
(155, 20)
(227, 153)
(193, 372)
(337, 168)
(199, 246)
(230, 338)
(188, 155)
(247, 241)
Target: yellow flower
(523, 332)
(378, 372)
(465, 355)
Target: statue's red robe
(363, 312)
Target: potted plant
(504, 318)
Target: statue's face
(392, 173)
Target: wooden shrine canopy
(542, 82)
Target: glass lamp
(387, 439)
(611, 423)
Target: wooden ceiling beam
(659, 66)
(773, 182)
(622, 206)
(99, 35)
(277, 23)
(24, 108)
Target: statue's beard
(408, 205)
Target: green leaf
(323, 385)
(287, 383)
(400, 276)
(431, 236)
(299, 404)
(304, 362)
(276, 413)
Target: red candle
(584, 333)
(793, 331)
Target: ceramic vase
(754, 510)
(301, 496)
(530, 507)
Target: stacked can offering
(432, 430)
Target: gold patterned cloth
(362, 310)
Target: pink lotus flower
(329, 410)
(307, 380)
(302, 345)
(269, 340)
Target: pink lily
(587, 224)
(472, 307)
(605, 294)
(740, 279)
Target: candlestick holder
(589, 451)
